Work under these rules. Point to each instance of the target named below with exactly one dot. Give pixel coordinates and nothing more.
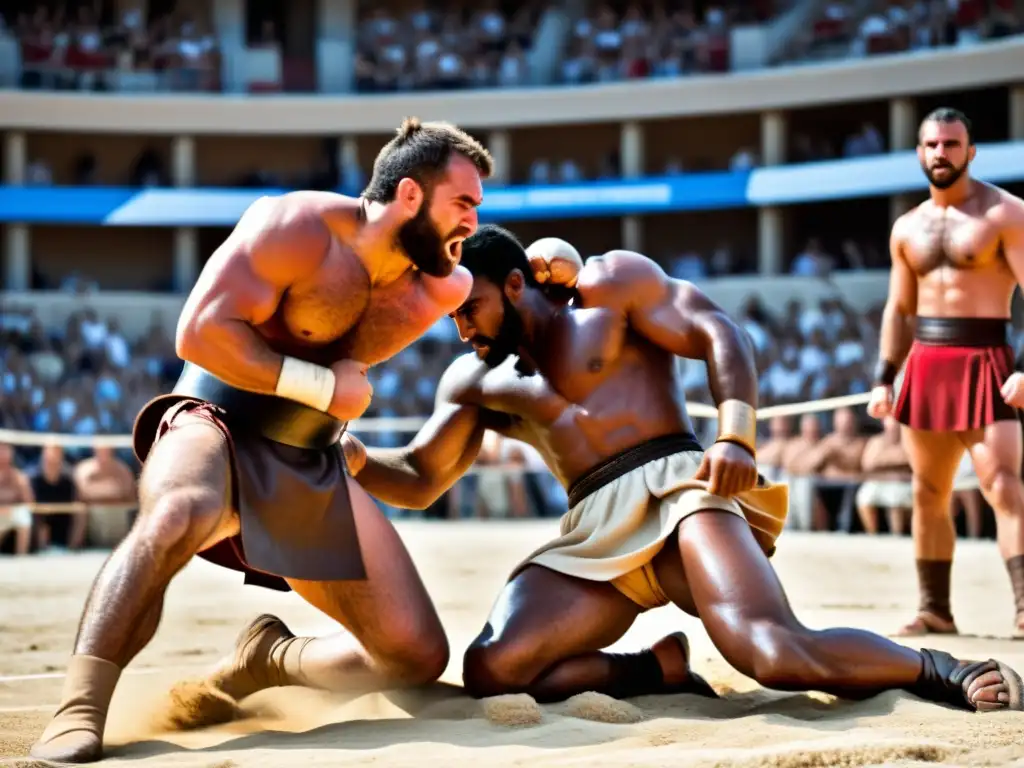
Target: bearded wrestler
(242, 460)
(956, 260)
(653, 517)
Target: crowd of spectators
(484, 46)
(487, 44)
(74, 47)
(891, 26)
(852, 478)
(813, 260)
(644, 40)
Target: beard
(506, 342)
(944, 182)
(425, 246)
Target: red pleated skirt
(954, 389)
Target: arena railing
(412, 424)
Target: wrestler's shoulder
(1007, 207)
(905, 222)
(617, 270)
(299, 209)
(461, 378)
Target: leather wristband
(885, 373)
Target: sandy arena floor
(831, 580)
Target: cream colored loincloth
(614, 533)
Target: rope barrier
(412, 424)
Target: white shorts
(886, 494)
(15, 517)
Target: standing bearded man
(956, 260)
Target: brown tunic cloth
(288, 480)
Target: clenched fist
(352, 390)
(1013, 390)
(880, 404)
(355, 453)
(554, 261)
(728, 468)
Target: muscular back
(957, 254)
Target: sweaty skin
(320, 277)
(599, 379)
(959, 254)
(605, 380)
(296, 278)
(555, 261)
(300, 275)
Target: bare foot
(982, 686)
(673, 654)
(926, 623)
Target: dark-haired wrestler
(653, 517)
(956, 260)
(242, 461)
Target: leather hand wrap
(885, 373)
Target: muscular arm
(897, 330)
(681, 319)
(277, 242)
(1013, 236)
(445, 447)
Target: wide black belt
(275, 418)
(613, 468)
(963, 331)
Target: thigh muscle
(391, 602)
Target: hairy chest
(952, 238)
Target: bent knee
(1005, 493)
(495, 668)
(782, 657)
(415, 657)
(182, 519)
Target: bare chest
(953, 238)
(326, 307)
(582, 351)
(341, 316)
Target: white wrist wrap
(306, 383)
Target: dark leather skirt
(288, 480)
